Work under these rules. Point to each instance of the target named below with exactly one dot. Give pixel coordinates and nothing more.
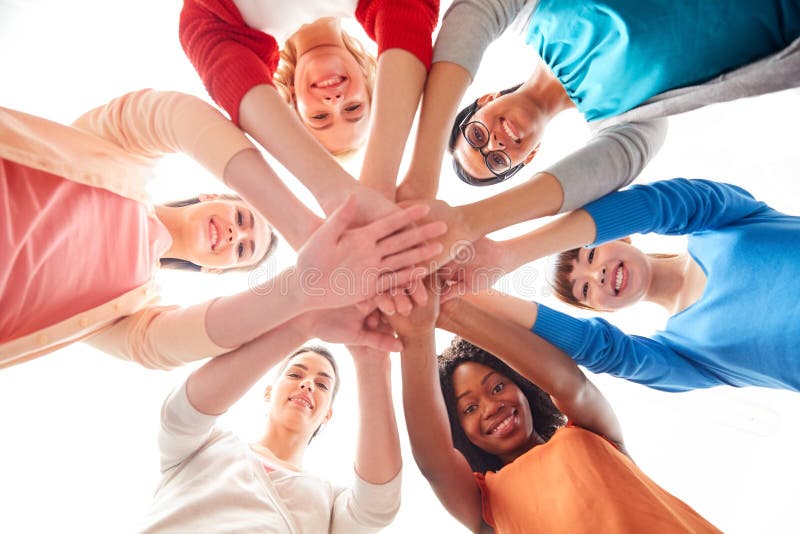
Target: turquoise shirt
(612, 55)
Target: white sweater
(213, 482)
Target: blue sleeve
(671, 207)
(603, 348)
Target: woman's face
(332, 98)
(610, 276)
(492, 410)
(300, 398)
(224, 233)
(512, 126)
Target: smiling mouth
(510, 129)
(301, 401)
(505, 426)
(329, 82)
(213, 233)
(620, 278)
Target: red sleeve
(230, 57)
(406, 24)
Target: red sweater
(232, 58)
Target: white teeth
(330, 81)
(214, 235)
(505, 423)
(304, 401)
(619, 279)
(508, 130)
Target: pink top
(66, 264)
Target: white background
(77, 428)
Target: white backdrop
(77, 428)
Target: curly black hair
(546, 417)
(455, 133)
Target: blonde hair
(284, 74)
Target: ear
(328, 415)
(626, 239)
(213, 270)
(485, 99)
(531, 154)
(204, 197)
(267, 393)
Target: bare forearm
(218, 384)
(378, 451)
(400, 79)
(445, 86)
(423, 405)
(237, 319)
(265, 116)
(252, 177)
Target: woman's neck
(323, 32)
(545, 92)
(673, 284)
(285, 445)
(173, 221)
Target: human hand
(476, 267)
(348, 326)
(422, 318)
(340, 266)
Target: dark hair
(325, 353)
(560, 283)
(546, 417)
(186, 265)
(455, 133)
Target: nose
(495, 143)
(333, 99)
(307, 385)
(492, 408)
(234, 233)
(600, 275)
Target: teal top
(612, 55)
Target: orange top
(579, 482)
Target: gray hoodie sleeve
(470, 26)
(609, 161)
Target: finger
(411, 257)
(452, 290)
(410, 237)
(399, 278)
(403, 304)
(392, 223)
(416, 291)
(365, 306)
(385, 303)
(380, 341)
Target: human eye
(320, 116)
(240, 250)
(323, 386)
(469, 409)
(591, 256)
(585, 290)
(239, 217)
(296, 376)
(352, 108)
(498, 387)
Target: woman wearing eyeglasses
(623, 64)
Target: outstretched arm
(538, 361)
(441, 464)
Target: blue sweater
(745, 328)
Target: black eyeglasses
(498, 162)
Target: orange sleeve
(230, 57)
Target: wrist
(334, 196)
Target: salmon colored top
(61, 264)
(114, 147)
(579, 482)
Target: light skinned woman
(733, 318)
(494, 447)
(215, 482)
(84, 241)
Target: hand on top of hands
(422, 319)
(340, 265)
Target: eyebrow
(483, 381)
(303, 367)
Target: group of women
(504, 425)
